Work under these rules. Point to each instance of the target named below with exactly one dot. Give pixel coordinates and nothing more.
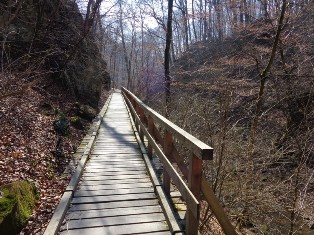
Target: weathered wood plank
(104, 160)
(113, 212)
(114, 186)
(113, 163)
(109, 173)
(112, 205)
(114, 151)
(139, 166)
(88, 193)
(115, 145)
(118, 160)
(114, 177)
(114, 198)
(118, 170)
(119, 220)
(125, 181)
(154, 227)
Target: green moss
(87, 112)
(16, 204)
(76, 122)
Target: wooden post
(194, 181)
(142, 117)
(150, 124)
(137, 125)
(167, 146)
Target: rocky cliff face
(48, 39)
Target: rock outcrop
(49, 39)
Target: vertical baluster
(194, 181)
(135, 105)
(150, 124)
(142, 118)
(167, 146)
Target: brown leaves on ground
(27, 145)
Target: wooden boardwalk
(115, 189)
(115, 194)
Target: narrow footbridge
(130, 178)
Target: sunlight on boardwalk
(115, 194)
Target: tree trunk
(167, 52)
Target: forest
(236, 74)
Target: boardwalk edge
(165, 204)
(59, 214)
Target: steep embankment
(267, 188)
(50, 67)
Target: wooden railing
(163, 145)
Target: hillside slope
(50, 67)
(215, 88)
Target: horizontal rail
(144, 115)
(200, 149)
(179, 182)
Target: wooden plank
(117, 170)
(116, 154)
(119, 220)
(112, 205)
(116, 159)
(125, 181)
(109, 173)
(113, 212)
(159, 228)
(114, 198)
(88, 193)
(117, 165)
(103, 161)
(115, 142)
(114, 186)
(113, 151)
(122, 156)
(116, 145)
(113, 163)
(114, 177)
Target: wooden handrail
(200, 149)
(145, 119)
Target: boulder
(17, 201)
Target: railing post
(167, 146)
(137, 125)
(194, 181)
(150, 125)
(142, 117)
